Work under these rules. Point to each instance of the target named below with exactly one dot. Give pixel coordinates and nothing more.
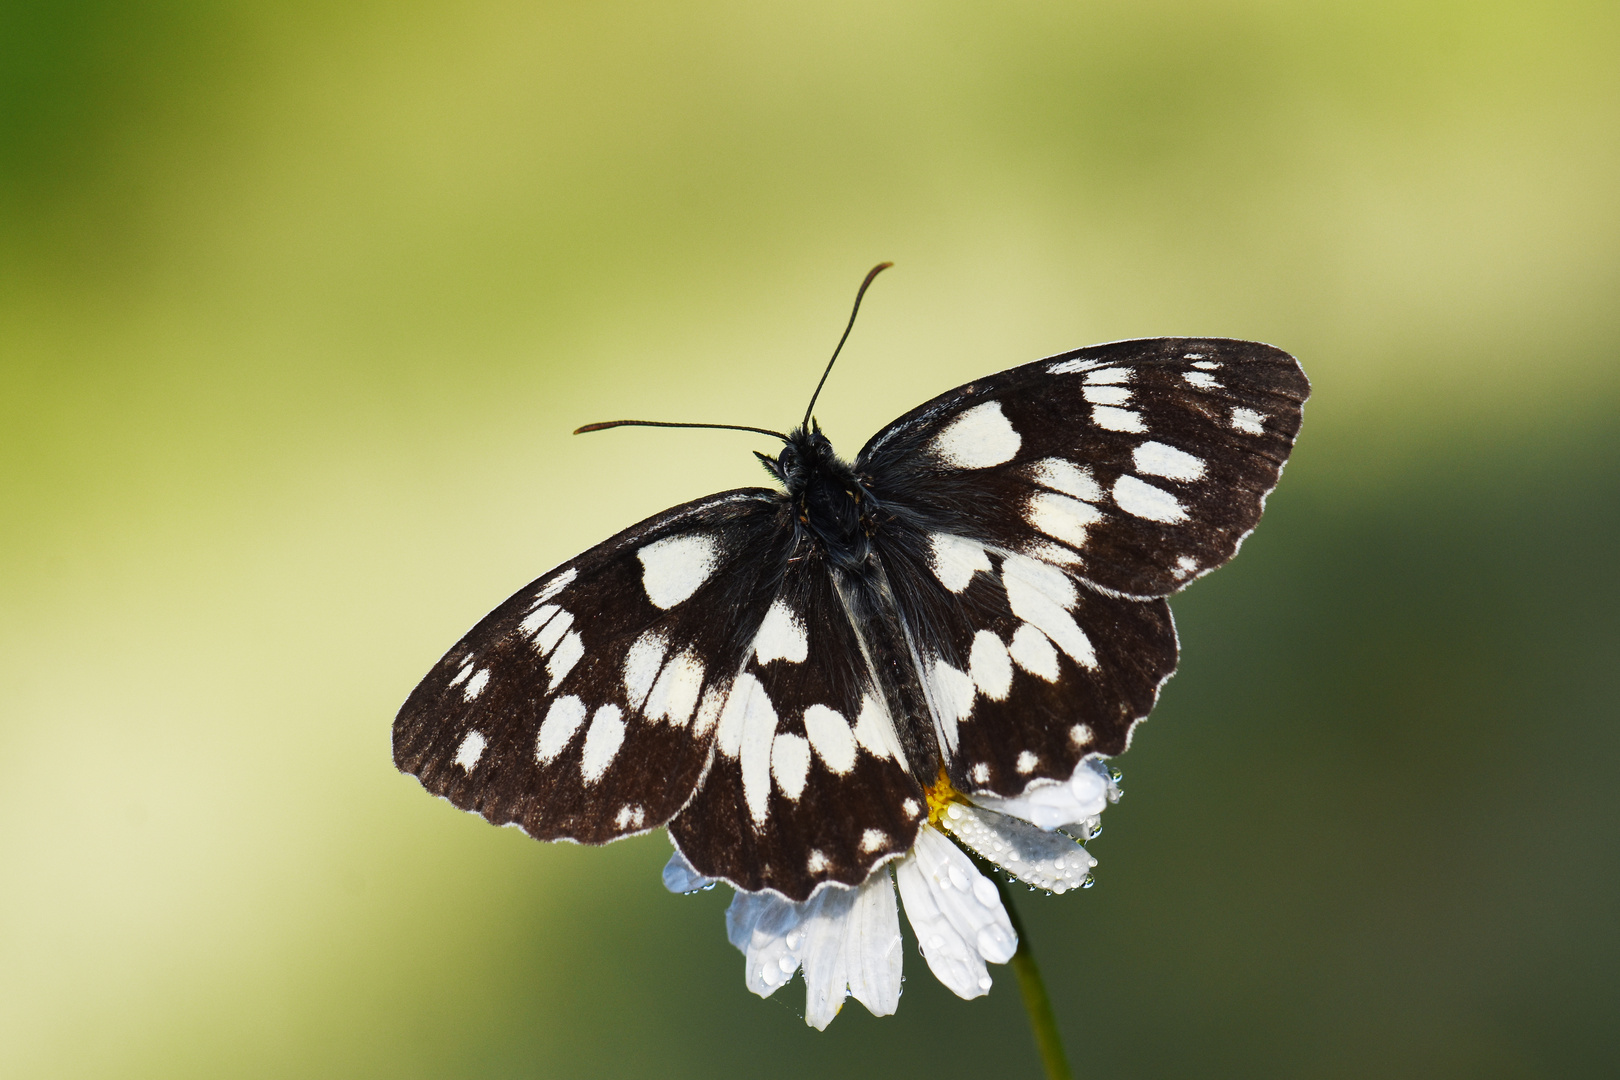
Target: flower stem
(1036, 1003)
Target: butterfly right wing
(584, 707)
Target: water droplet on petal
(984, 982)
(1088, 883)
(787, 964)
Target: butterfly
(782, 676)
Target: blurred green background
(298, 304)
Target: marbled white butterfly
(779, 675)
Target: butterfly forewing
(1138, 465)
(583, 708)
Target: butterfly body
(779, 675)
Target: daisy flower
(846, 939)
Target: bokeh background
(299, 302)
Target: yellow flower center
(941, 795)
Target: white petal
(680, 877)
(956, 913)
(826, 970)
(1084, 796)
(847, 940)
(872, 950)
(766, 928)
(1047, 860)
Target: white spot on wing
(831, 737)
(1113, 375)
(1032, 651)
(673, 568)
(630, 816)
(875, 732)
(1041, 594)
(476, 684)
(1069, 367)
(1201, 379)
(979, 438)
(1185, 565)
(873, 840)
(956, 559)
(1026, 763)
(675, 694)
(981, 773)
(747, 731)
(1108, 395)
(1112, 419)
(790, 764)
(1080, 735)
(714, 699)
(534, 620)
(562, 720)
(990, 666)
(911, 807)
(1143, 500)
(1052, 553)
(1067, 477)
(556, 585)
(568, 653)
(641, 665)
(1061, 517)
(472, 748)
(952, 693)
(1248, 421)
(461, 676)
(781, 636)
(1157, 459)
(1206, 365)
(551, 632)
(817, 862)
(602, 742)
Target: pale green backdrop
(298, 304)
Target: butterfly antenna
(604, 425)
(870, 274)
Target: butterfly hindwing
(1139, 465)
(809, 782)
(1027, 669)
(584, 707)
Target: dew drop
(787, 964)
(984, 982)
(1116, 776)
(1088, 883)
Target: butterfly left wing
(584, 707)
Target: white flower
(847, 940)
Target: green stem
(1036, 1002)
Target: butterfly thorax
(827, 497)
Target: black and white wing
(1032, 521)
(810, 781)
(584, 707)
(699, 667)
